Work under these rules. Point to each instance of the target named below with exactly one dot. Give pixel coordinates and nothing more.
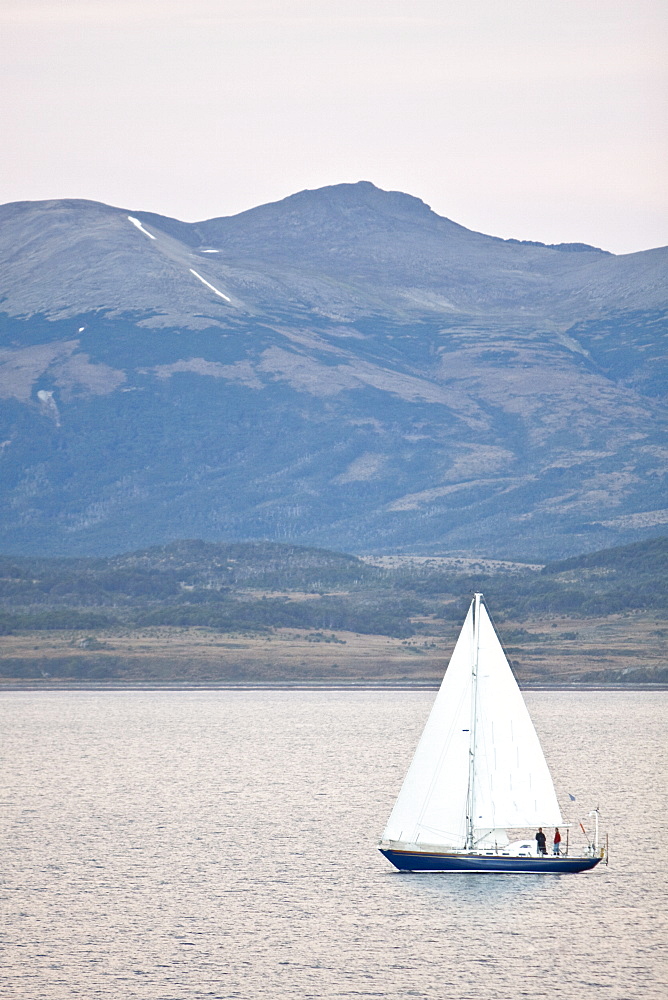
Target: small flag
(571, 797)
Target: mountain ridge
(421, 254)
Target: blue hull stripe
(408, 861)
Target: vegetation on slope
(257, 588)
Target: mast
(470, 796)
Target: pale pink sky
(537, 119)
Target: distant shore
(56, 685)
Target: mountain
(343, 368)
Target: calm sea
(171, 845)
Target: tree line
(256, 586)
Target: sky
(532, 119)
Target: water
(175, 846)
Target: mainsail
(479, 768)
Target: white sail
(512, 785)
(508, 784)
(431, 807)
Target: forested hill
(648, 558)
(255, 585)
(194, 612)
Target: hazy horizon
(530, 120)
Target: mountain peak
(361, 194)
(342, 221)
(357, 203)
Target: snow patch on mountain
(49, 407)
(137, 223)
(209, 285)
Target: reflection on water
(461, 890)
(170, 845)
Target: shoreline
(23, 685)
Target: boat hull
(419, 861)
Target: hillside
(261, 612)
(343, 368)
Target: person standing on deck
(556, 846)
(540, 842)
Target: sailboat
(478, 772)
